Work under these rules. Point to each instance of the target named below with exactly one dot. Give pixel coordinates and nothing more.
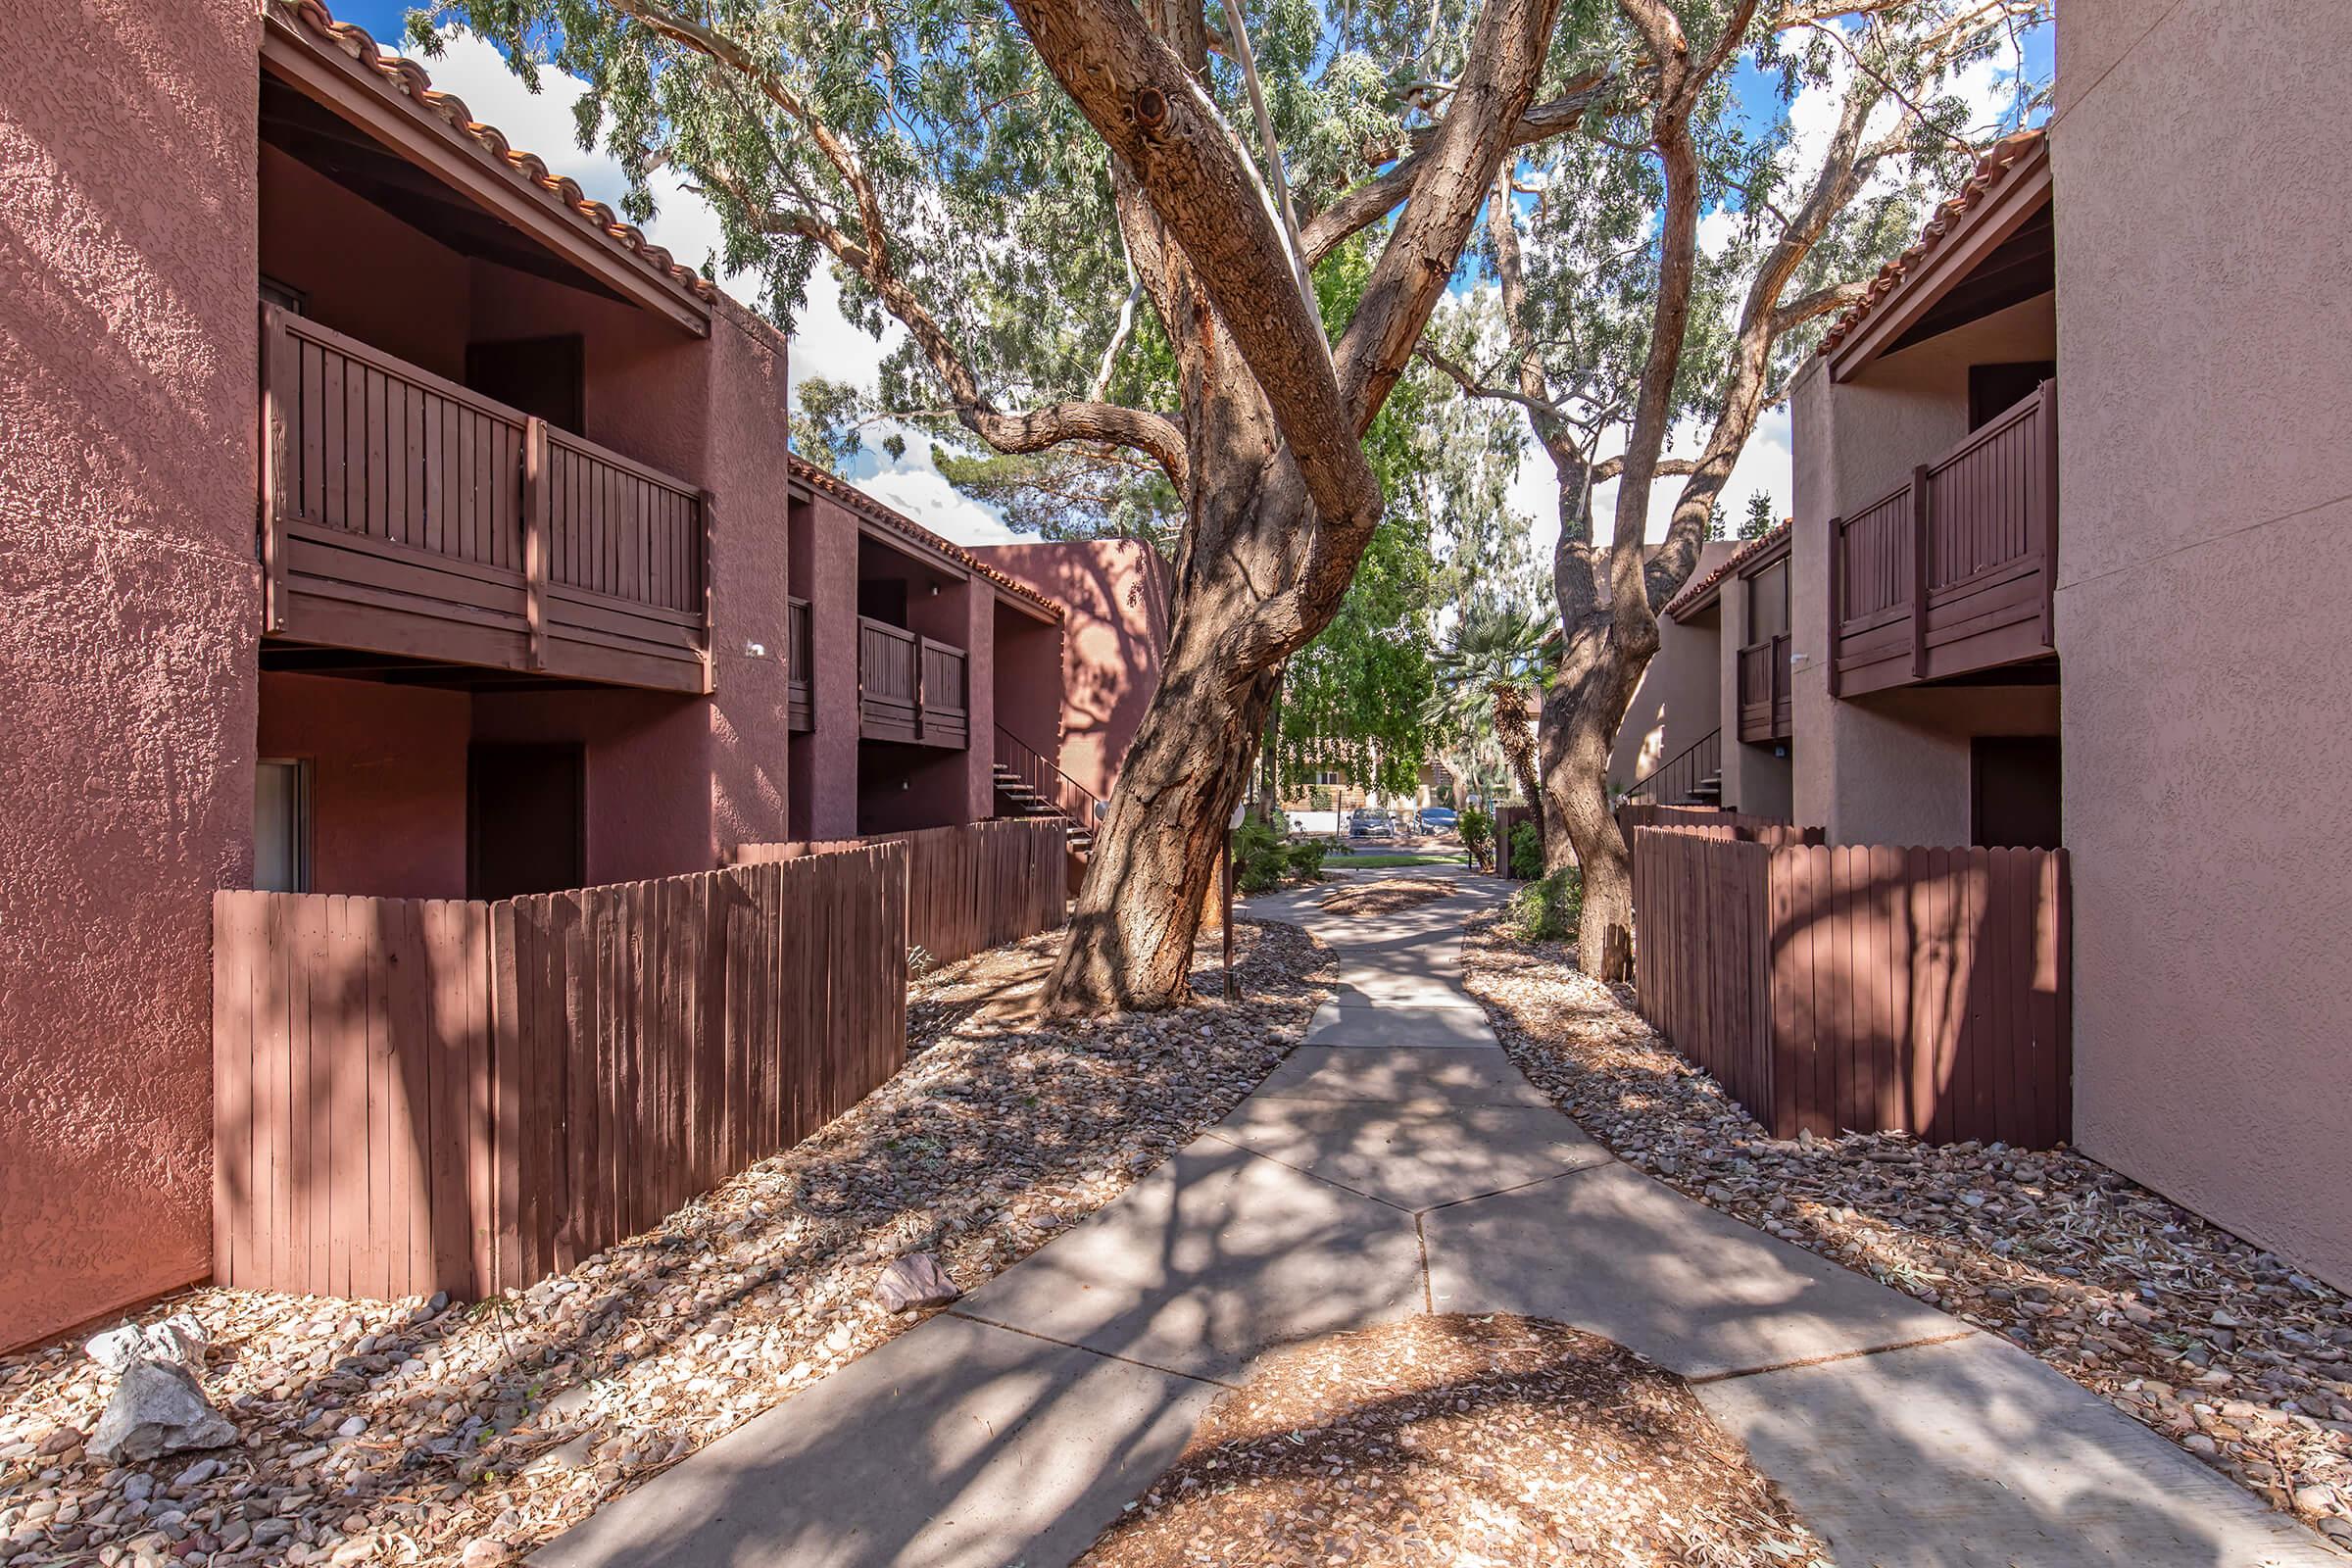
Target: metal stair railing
(1679, 776)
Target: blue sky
(826, 344)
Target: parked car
(1365, 824)
(1438, 819)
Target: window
(281, 825)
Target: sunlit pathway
(1398, 1162)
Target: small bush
(1306, 859)
(1548, 911)
(1527, 850)
(1260, 858)
(1477, 831)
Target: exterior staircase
(1707, 790)
(1019, 800)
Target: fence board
(1864, 988)
(414, 1095)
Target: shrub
(1259, 857)
(1548, 911)
(1306, 859)
(1477, 831)
(1527, 850)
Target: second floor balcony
(1952, 573)
(911, 688)
(407, 516)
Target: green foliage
(1306, 858)
(1547, 910)
(1478, 832)
(1260, 858)
(1527, 850)
(1759, 520)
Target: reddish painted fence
(968, 887)
(1635, 814)
(420, 1095)
(1864, 988)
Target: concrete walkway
(1398, 1162)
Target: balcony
(407, 516)
(1952, 573)
(911, 688)
(1764, 704)
(800, 664)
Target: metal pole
(1228, 882)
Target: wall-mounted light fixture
(754, 650)
(935, 590)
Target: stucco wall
(1115, 592)
(1758, 780)
(387, 781)
(828, 788)
(1680, 695)
(2205, 558)
(362, 271)
(127, 648)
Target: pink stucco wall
(2205, 410)
(824, 780)
(1758, 779)
(126, 655)
(132, 709)
(387, 781)
(1680, 695)
(1115, 592)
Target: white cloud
(824, 343)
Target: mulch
(431, 1431)
(2205, 1338)
(1458, 1441)
(1390, 895)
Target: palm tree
(1488, 675)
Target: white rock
(915, 1280)
(157, 1409)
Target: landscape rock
(157, 1409)
(917, 1280)
(179, 1338)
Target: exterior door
(526, 820)
(2014, 790)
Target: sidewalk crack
(1830, 1359)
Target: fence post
(1921, 524)
(534, 538)
(1837, 594)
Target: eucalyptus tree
(1611, 324)
(1025, 186)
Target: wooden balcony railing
(1952, 571)
(911, 688)
(800, 664)
(406, 514)
(1764, 694)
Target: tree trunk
(1130, 941)
(1582, 712)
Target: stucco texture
(1680, 695)
(387, 781)
(2205, 405)
(1116, 631)
(127, 648)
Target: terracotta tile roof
(1991, 171)
(1698, 590)
(405, 76)
(898, 521)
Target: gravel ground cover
(2206, 1339)
(421, 1431)
(1458, 1441)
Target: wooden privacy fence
(1864, 988)
(1635, 814)
(968, 887)
(418, 1094)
